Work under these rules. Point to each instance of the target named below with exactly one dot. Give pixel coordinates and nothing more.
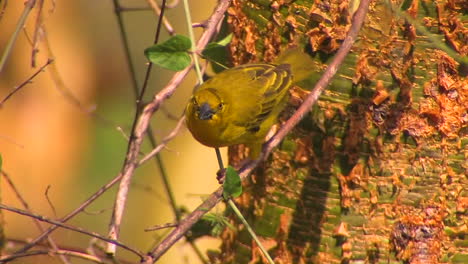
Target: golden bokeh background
(49, 144)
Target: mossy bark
(377, 172)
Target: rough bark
(377, 173)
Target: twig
(157, 11)
(16, 89)
(28, 6)
(23, 202)
(188, 18)
(193, 217)
(60, 252)
(164, 142)
(76, 229)
(63, 251)
(159, 227)
(173, 4)
(37, 32)
(216, 197)
(70, 215)
(3, 8)
(250, 230)
(46, 194)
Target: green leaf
(173, 54)
(216, 53)
(232, 186)
(225, 40)
(406, 4)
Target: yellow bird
(241, 104)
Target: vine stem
(196, 63)
(250, 230)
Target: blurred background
(50, 144)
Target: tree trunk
(377, 172)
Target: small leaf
(217, 54)
(232, 184)
(225, 40)
(406, 4)
(171, 54)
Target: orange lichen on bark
(242, 46)
(331, 31)
(447, 98)
(349, 184)
(418, 234)
(453, 28)
(364, 72)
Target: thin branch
(159, 227)
(69, 227)
(70, 215)
(28, 6)
(60, 252)
(3, 8)
(63, 251)
(38, 224)
(157, 11)
(216, 197)
(16, 89)
(164, 142)
(49, 201)
(37, 32)
(184, 226)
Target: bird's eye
(220, 106)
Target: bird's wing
(257, 90)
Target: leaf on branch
(173, 54)
(232, 186)
(216, 53)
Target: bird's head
(207, 104)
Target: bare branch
(23, 84)
(76, 229)
(62, 252)
(71, 214)
(159, 227)
(157, 11)
(28, 6)
(37, 32)
(164, 142)
(26, 206)
(59, 252)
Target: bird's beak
(205, 112)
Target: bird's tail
(302, 65)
